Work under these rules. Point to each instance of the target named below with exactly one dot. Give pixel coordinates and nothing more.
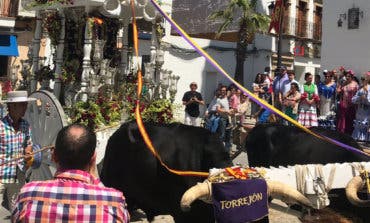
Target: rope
(304, 179)
(20, 158)
(363, 173)
(300, 174)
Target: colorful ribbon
(139, 120)
(259, 101)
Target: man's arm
(28, 149)
(199, 101)
(221, 110)
(186, 100)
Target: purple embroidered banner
(240, 200)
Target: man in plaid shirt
(15, 141)
(75, 195)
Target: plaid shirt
(73, 196)
(12, 144)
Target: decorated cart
(88, 74)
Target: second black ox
(280, 145)
(130, 167)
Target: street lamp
(164, 82)
(173, 86)
(159, 61)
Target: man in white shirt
(286, 83)
(222, 108)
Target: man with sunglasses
(192, 99)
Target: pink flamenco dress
(347, 109)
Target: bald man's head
(75, 146)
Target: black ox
(130, 167)
(279, 145)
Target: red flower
(304, 96)
(316, 98)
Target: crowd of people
(338, 101)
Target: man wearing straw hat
(15, 141)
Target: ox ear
(132, 126)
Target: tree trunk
(241, 50)
(240, 59)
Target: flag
(276, 15)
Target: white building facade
(301, 29)
(346, 26)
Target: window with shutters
(301, 23)
(317, 23)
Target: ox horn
(275, 189)
(353, 186)
(200, 191)
(286, 193)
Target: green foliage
(51, 2)
(156, 110)
(52, 23)
(250, 22)
(70, 71)
(44, 73)
(98, 112)
(87, 113)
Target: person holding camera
(291, 101)
(192, 99)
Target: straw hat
(17, 96)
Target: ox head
(276, 190)
(353, 187)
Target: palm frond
(222, 28)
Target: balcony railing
(302, 29)
(9, 8)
